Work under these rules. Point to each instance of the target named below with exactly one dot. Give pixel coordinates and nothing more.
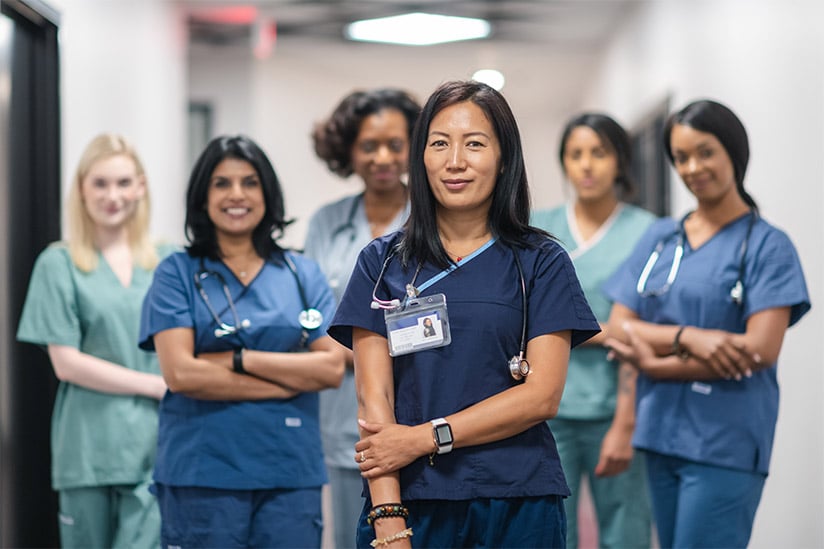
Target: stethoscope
(736, 292)
(518, 365)
(309, 318)
(349, 224)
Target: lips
(456, 184)
(236, 212)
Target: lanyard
(448, 270)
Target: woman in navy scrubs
(701, 308)
(454, 447)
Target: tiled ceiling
(580, 24)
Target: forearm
(72, 366)
(624, 417)
(659, 336)
(303, 372)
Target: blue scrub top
(483, 298)
(244, 445)
(719, 422)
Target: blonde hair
(81, 227)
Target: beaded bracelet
(386, 510)
(403, 534)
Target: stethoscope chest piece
(310, 319)
(518, 367)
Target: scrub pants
(699, 505)
(484, 522)
(621, 502)
(208, 517)
(109, 517)
(346, 486)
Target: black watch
(442, 433)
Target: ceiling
(580, 24)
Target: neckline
(584, 245)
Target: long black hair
(712, 117)
(509, 213)
(613, 136)
(200, 230)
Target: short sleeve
(775, 278)
(318, 293)
(166, 304)
(50, 313)
(355, 308)
(556, 300)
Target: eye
(125, 182)
(438, 143)
(368, 146)
(397, 145)
(599, 153)
(705, 153)
(220, 183)
(475, 144)
(251, 182)
(679, 158)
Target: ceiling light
(418, 29)
(491, 77)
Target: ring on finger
(362, 457)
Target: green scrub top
(97, 438)
(592, 381)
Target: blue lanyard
(451, 268)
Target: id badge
(421, 324)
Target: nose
(456, 160)
(692, 165)
(585, 161)
(236, 189)
(383, 155)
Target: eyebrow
(467, 134)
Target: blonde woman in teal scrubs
(83, 307)
(595, 421)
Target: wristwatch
(442, 433)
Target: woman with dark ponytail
(701, 309)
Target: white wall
(123, 71)
(764, 59)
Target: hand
(616, 452)
(388, 447)
(637, 351)
(725, 353)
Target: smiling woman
(237, 322)
(83, 305)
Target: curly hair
(335, 137)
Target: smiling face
(111, 191)
(235, 200)
(462, 158)
(703, 164)
(590, 165)
(381, 151)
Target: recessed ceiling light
(418, 29)
(490, 77)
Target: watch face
(443, 433)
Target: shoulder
(548, 218)
(336, 211)
(55, 258)
(165, 248)
(768, 237)
(637, 214)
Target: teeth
(236, 211)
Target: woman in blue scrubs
(454, 444)
(239, 328)
(702, 305)
(367, 135)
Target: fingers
(609, 466)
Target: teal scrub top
(591, 386)
(97, 439)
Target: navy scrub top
(483, 298)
